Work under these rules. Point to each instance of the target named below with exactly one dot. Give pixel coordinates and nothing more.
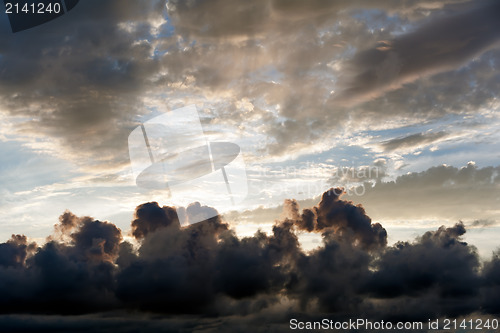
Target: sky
(396, 102)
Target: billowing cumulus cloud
(339, 217)
(150, 216)
(60, 277)
(15, 250)
(205, 269)
(438, 269)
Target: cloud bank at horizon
(205, 269)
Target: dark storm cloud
(436, 47)
(97, 241)
(65, 277)
(13, 253)
(438, 269)
(205, 269)
(491, 284)
(336, 216)
(150, 216)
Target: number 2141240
(33, 8)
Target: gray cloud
(239, 18)
(468, 193)
(481, 223)
(436, 47)
(76, 80)
(204, 269)
(150, 217)
(14, 252)
(443, 192)
(423, 270)
(412, 141)
(339, 217)
(79, 81)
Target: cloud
(245, 20)
(306, 74)
(442, 192)
(425, 270)
(65, 278)
(436, 47)
(491, 290)
(14, 252)
(150, 217)
(274, 68)
(266, 71)
(338, 217)
(205, 269)
(80, 82)
(481, 223)
(413, 141)
(75, 81)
